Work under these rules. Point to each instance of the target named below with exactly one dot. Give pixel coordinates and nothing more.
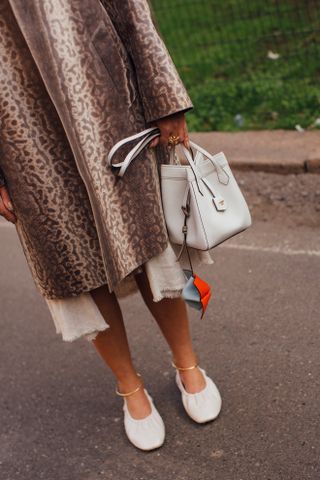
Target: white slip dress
(79, 316)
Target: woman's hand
(6, 208)
(174, 124)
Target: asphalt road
(259, 341)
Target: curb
(307, 166)
(270, 151)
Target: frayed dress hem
(79, 316)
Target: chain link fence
(232, 29)
(242, 40)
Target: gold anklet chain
(133, 391)
(141, 383)
(184, 368)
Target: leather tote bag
(202, 202)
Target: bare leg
(172, 317)
(112, 344)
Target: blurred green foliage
(222, 49)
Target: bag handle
(146, 136)
(218, 167)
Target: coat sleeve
(160, 86)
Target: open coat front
(76, 77)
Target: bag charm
(196, 292)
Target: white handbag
(202, 202)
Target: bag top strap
(122, 142)
(145, 137)
(220, 170)
(134, 152)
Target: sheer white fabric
(79, 317)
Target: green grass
(220, 49)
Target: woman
(76, 77)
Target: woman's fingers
(172, 125)
(184, 136)
(4, 212)
(186, 140)
(154, 142)
(6, 207)
(166, 130)
(6, 198)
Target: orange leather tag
(204, 291)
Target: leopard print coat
(76, 77)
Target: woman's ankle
(137, 401)
(185, 359)
(128, 382)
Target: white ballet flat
(202, 406)
(145, 433)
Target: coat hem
(74, 293)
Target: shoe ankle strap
(184, 368)
(132, 392)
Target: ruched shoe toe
(145, 433)
(202, 406)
